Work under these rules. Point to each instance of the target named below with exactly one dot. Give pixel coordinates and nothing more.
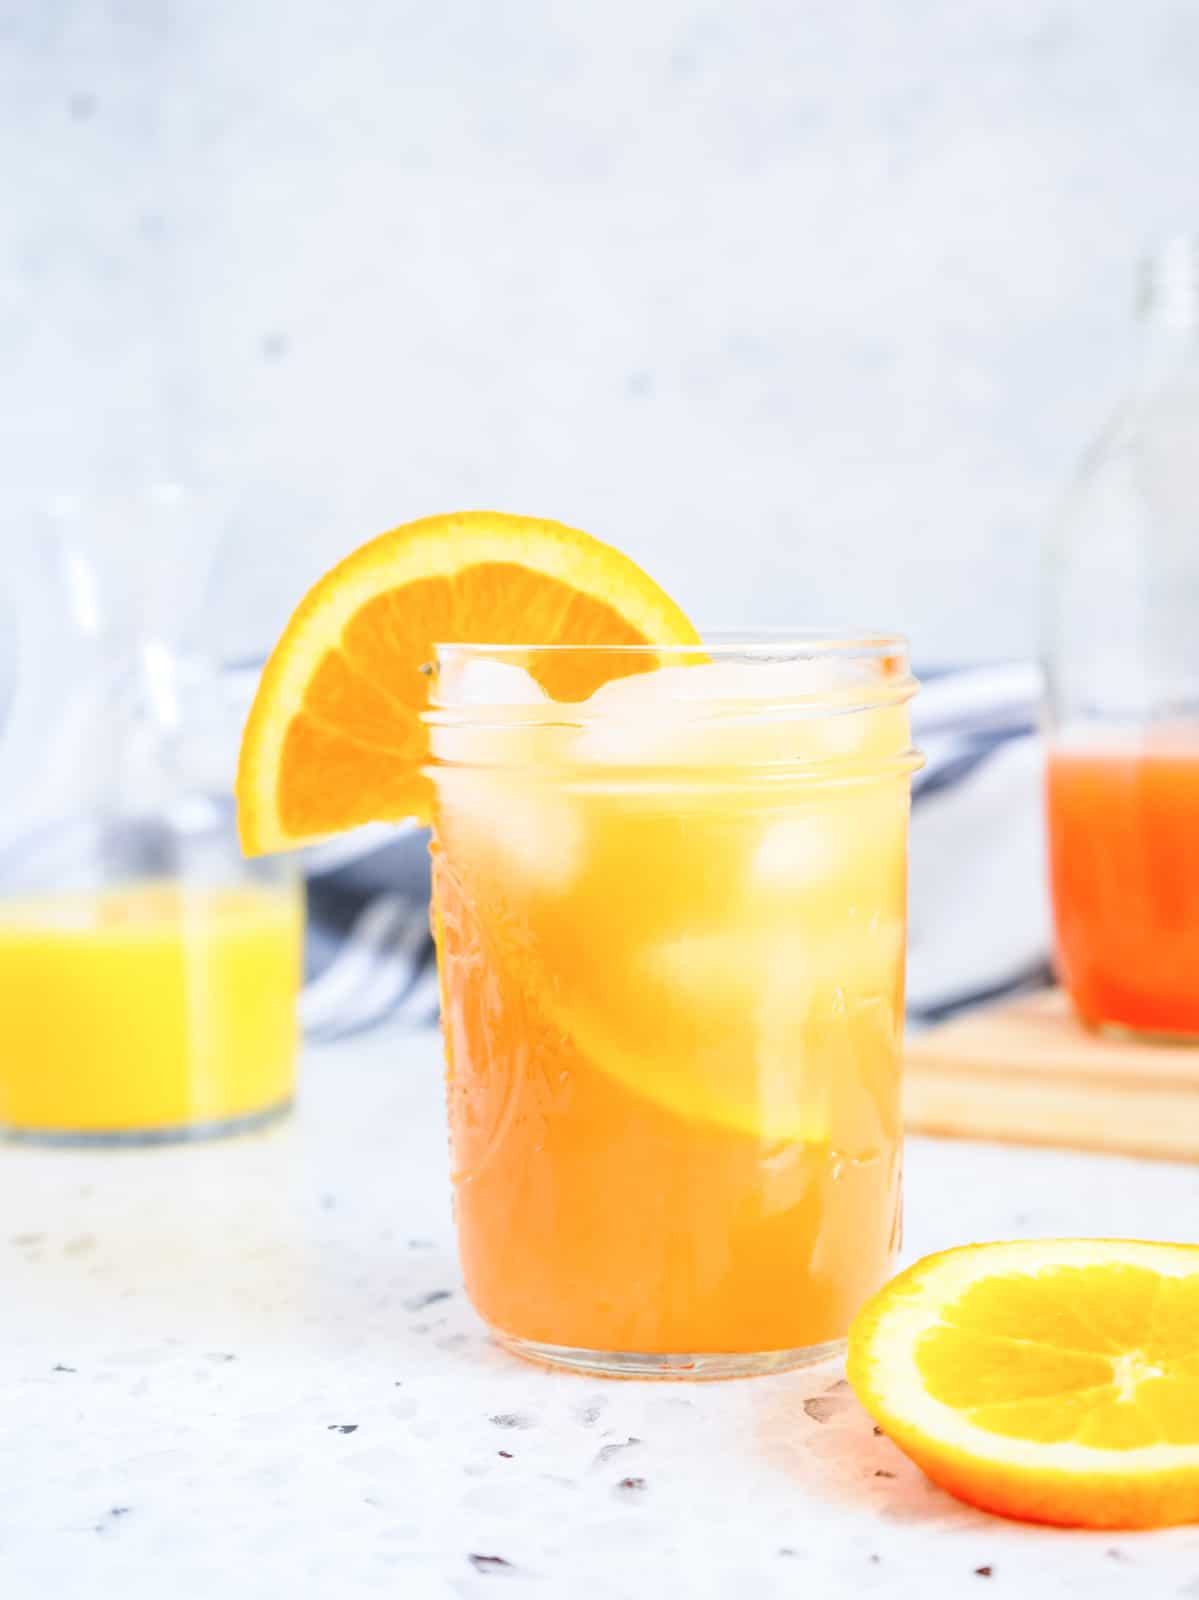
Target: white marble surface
(248, 1370)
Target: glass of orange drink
(670, 921)
(1124, 868)
(148, 974)
(669, 894)
(142, 1010)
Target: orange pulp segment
(335, 736)
(1055, 1380)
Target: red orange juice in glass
(1124, 861)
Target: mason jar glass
(670, 918)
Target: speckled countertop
(248, 1370)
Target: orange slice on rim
(1055, 1380)
(335, 737)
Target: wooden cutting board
(1027, 1072)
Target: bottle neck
(1168, 303)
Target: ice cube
(787, 997)
(500, 810)
(852, 842)
(521, 830)
(805, 848)
(717, 971)
(629, 720)
(721, 681)
(735, 713)
(494, 713)
(484, 681)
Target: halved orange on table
(335, 737)
(1054, 1380)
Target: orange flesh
(666, 1158)
(1106, 1357)
(1124, 859)
(335, 736)
(1055, 1380)
(352, 752)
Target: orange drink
(671, 925)
(669, 896)
(1124, 863)
(151, 1010)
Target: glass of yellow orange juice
(148, 974)
(671, 923)
(148, 1008)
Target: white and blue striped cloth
(979, 921)
(979, 910)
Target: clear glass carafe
(148, 973)
(1122, 657)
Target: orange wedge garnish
(1055, 1380)
(335, 736)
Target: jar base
(116, 1138)
(637, 1364)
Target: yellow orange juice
(147, 1008)
(671, 945)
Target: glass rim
(872, 673)
(769, 642)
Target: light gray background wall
(809, 303)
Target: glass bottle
(148, 974)
(1122, 661)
